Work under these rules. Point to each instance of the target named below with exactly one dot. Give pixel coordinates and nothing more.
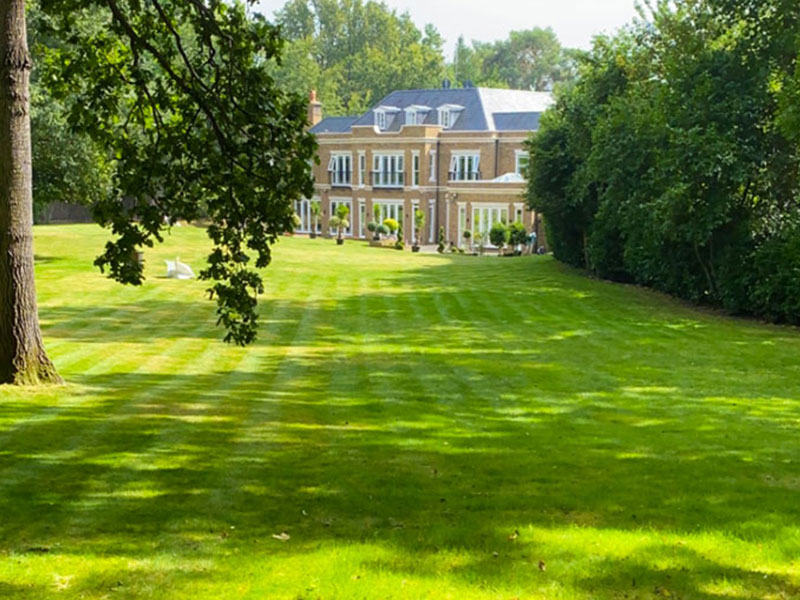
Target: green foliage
(499, 234)
(339, 223)
(383, 230)
(673, 161)
(342, 211)
(67, 166)
(355, 52)
(467, 234)
(391, 224)
(376, 212)
(297, 222)
(372, 226)
(419, 223)
(399, 244)
(532, 59)
(518, 235)
(181, 96)
(440, 247)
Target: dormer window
(448, 115)
(384, 116)
(416, 114)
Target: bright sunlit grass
(406, 427)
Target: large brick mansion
(455, 154)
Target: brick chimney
(314, 109)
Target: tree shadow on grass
(478, 416)
(171, 463)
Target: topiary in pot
(419, 224)
(316, 211)
(399, 244)
(392, 225)
(499, 235)
(440, 248)
(340, 222)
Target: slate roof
(484, 109)
(517, 121)
(334, 125)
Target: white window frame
(484, 215)
(362, 217)
(519, 213)
(448, 115)
(416, 164)
(380, 119)
(431, 221)
(465, 165)
(432, 165)
(388, 169)
(519, 155)
(340, 168)
(362, 168)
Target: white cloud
(575, 21)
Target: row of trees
(673, 162)
(354, 52)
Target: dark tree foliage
(180, 93)
(674, 160)
(68, 166)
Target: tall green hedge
(674, 161)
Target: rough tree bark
(23, 359)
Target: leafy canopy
(181, 94)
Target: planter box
(383, 243)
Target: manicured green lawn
(401, 417)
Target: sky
(575, 22)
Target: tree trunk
(23, 360)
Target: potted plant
(372, 227)
(518, 237)
(467, 237)
(316, 211)
(399, 244)
(480, 237)
(440, 247)
(499, 235)
(340, 223)
(419, 224)
(382, 230)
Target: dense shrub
(499, 234)
(518, 234)
(391, 224)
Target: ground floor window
(303, 210)
(362, 218)
(391, 210)
(483, 217)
